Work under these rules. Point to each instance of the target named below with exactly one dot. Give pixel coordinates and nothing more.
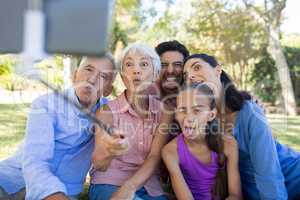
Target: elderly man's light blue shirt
(269, 170)
(56, 153)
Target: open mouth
(88, 90)
(171, 78)
(197, 81)
(189, 131)
(136, 81)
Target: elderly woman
(141, 119)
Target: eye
(89, 69)
(128, 64)
(180, 110)
(197, 110)
(164, 64)
(178, 64)
(104, 76)
(144, 64)
(196, 67)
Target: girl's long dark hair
(215, 143)
(234, 99)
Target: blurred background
(257, 42)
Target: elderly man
(56, 154)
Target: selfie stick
(34, 51)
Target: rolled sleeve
(38, 151)
(263, 154)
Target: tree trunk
(70, 64)
(276, 52)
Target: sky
(291, 23)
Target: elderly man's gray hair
(107, 55)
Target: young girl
(200, 158)
(268, 169)
(137, 115)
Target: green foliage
(52, 70)
(265, 77)
(226, 31)
(119, 34)
(7, 64)
(126, 22)
(291, 40)
(7, 79)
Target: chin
(87, 101)
(193, 137)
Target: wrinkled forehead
(192, 97)
(134, 54)
(101, 64)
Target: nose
(189, 119)
(136, 71)
(170, 68)
(191, 78)
(93, 78)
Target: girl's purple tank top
(199, 177)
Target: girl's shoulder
(172, 145)
(170, 149)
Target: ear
(74, 74)
(218, 69)
(212, 115)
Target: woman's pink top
(140, 134)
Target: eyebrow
(89, 65)
(198, 106)
(144, 58)
(196, 62)
(128, 58)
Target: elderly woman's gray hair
(145, 50)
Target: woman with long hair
(268, 169)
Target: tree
(265, 76)
(217, 28)
(271, 17)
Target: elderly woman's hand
(108, 147)
(116, 144)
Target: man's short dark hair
(173, 45)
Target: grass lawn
(13, 120)
(12, 127)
